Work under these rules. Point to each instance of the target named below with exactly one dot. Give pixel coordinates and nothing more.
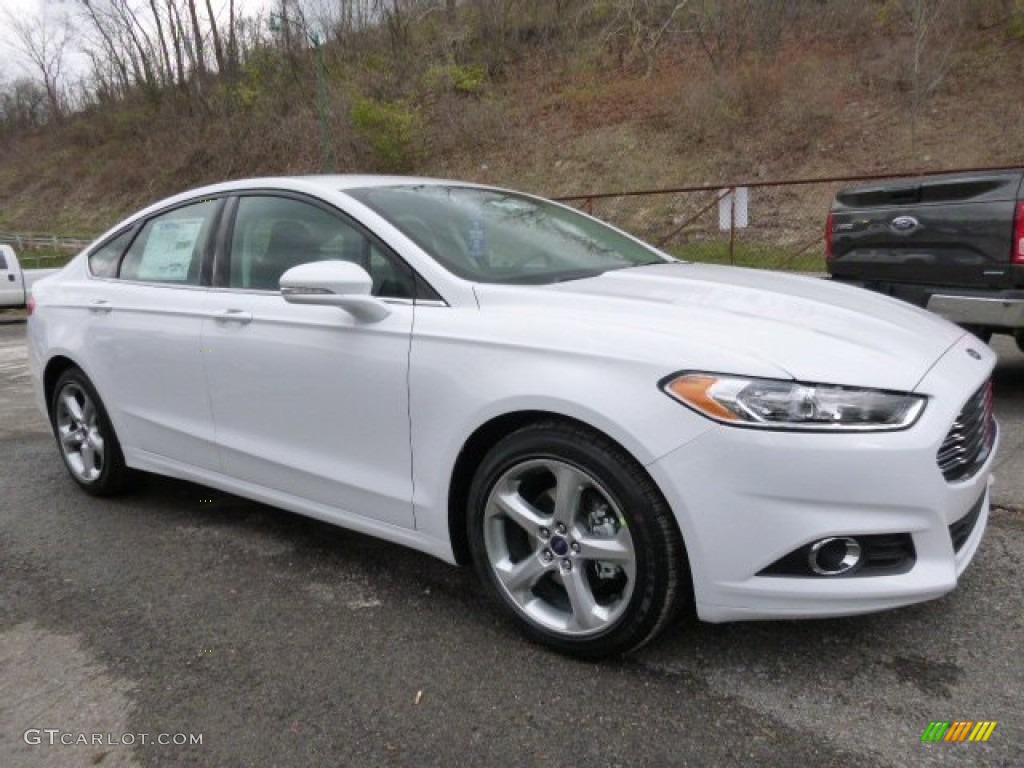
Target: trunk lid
(954, 230)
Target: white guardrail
(45, 241)
(24, 245)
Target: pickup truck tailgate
(957, 229)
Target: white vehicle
(16, 283)
(606, 433)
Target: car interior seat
(289, 245)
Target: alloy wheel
(559, 547)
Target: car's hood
(804, 327)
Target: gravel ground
(286, 642)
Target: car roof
(353, 181)
(331, 183)
(334, 182)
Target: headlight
(774, 404)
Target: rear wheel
(574, 539)
(85, 436)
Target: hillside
(556, 113)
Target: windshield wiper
(580, 274)
(546, 278)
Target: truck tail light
(828, 235)
(30, 305)
(1017, 255)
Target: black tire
(617, 605)
(96, 465)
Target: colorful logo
(958, 730)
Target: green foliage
(1015, 20)
(391, 129)
(247, 95)
(44, 257)
(468, 78)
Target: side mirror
(334, 284)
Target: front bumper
(746, 498)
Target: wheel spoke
(97, 441)
(89, 413)
(569, 484)
(617, 550)
(584, 607)
(71, 405)
(522, 576)
(520, 511)
(88, 458)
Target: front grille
(891, 553)
(960, 531)
(970, 439)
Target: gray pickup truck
(952, 243)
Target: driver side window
(274, 234)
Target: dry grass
(558, 119)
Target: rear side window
(103, 261)
(3, 261)
(170, 247)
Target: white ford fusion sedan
(607, 434)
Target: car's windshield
(498, 237)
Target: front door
(307, 400)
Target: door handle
(233, 316)
(100, 306)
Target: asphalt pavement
(177, 612)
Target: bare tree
(934, 27)
(199, 59)
(634, 29)
(168, 70)
(43, 42)
(218, 48)
(23, 105)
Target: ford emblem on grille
(974, 353)
(904, 224)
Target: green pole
(323, 107)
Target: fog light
(834, 556)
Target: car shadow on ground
(836, 650)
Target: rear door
(140, 317)
(945, 230)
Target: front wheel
(85, 436)
(575, 540)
